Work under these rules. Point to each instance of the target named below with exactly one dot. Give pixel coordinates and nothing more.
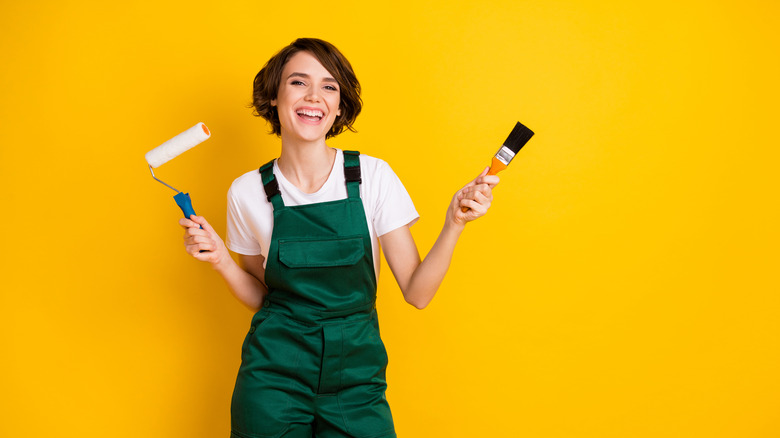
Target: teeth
(310, 113)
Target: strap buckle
(352, 174)
(271, 189)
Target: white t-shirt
(250, 217)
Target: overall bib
(313, 364)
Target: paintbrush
(516, 140)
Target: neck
(306, 165)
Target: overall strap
(271, 186)
(352, 173)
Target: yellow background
(623, 285)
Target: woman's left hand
(476, 196)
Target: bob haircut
(267, 81)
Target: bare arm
(419, 280)
(246, 281)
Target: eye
(296, 82)
(331, 88)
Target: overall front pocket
(321, 253)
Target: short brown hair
(267, 81)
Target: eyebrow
(306, 76)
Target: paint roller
(172, 149)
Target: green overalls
(313, 363)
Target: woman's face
(308, 99)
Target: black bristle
(518, 137)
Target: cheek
(336, 103)
(284, 96)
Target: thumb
(200, 220)
(483, 173)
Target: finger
(203, 223)
(187, 223)
(210, 246)
(475, 180)
(200, 220)
(480, 197)
(481, 175)
(482, 201)
(206, 225)
(475, 209)
(483, 196)
(195, 231)
(192, 249)
(197, 239)
(491, 180)
(197, 248)
(484, 189)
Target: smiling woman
(308, 97)
(339, 71)
(308, 228)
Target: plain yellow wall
(623, 285)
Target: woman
(306, 227)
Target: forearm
(429, 274)
(243, 285)
(204, 244)
(419, 280)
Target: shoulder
(374, 166)
(250, 182)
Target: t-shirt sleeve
(240, 237)
(394, 207)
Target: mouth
(310, 114)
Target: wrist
(451, 227)
(224, 263)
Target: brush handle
(495, 167)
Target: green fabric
(352, 159)
(267, 174)
(313, 363)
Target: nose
(313, 94)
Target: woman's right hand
(203, 243)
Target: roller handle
(496, 166)
(185, 203)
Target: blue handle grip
(184, 202)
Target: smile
(312, 115)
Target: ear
(338, 113)
(273, 102)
